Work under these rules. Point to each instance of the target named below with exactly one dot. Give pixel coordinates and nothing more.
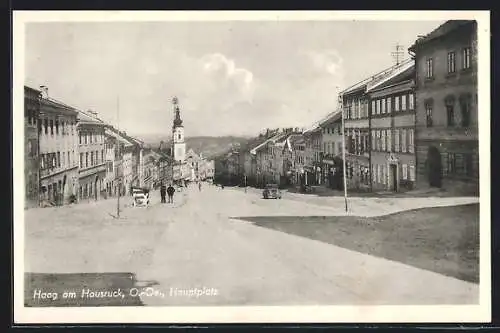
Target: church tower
(179, 145)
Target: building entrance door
(434, 167)
(394, 177)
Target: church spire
(177, 119)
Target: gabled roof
(85, 118)
(381, 76)
(59, 105)
(398, 70)
(263, 144)
(444, 29)
(115, 134)
(331, 118)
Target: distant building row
(414, 125)
(71, 155)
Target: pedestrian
(163, 193)
(199, 186)
(170, 192)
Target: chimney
(44, 92)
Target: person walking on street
(199, 186)
(163, 193)
(170, 192)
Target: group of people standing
(170, 190)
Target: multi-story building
(392, 128)
(331, 150)
(446, 107)
(357, 136)
(112, 162)
(92, 171)
(312, 167)
(298, 146)
(58, 146)
(31, 163)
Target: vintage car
(140, 198)
(271, 191)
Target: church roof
(177, 119)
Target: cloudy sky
(230, 77)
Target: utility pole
(119, 169)
(398, 54)
(343, 153)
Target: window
(396, 103)
(63, 158)
(396, 140)
(86, 160)
(389, 140)
(411, 101)
(46, 126)
(383, 140)
(379, 173)
(389, 106)
(69, 159)
(429, 72)
(405, 171)
(428, 114)
(91, 158)
(57, 127)
(384, 173)
(450, 115)
(411, 170)
(373, 107)
(51, 125)
(465, 105)
(451, 62)
(411, 138)
(468, 165)
(80, 136)
(403, 103)
(373, 140)
(452, 164)
(86, 138)
(179, 137)
(81, 160)
(466, 58)
(102, 155)
(58, 159)
(403, 140)
(382, 106)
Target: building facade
(357, 137)
(91, 147)
(31, 142)
(331, 157)
(58, 146)
(447, 108)
(312, 165)
(392, 129)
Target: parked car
(140, 198)
(271, 191)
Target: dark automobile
(271, 191)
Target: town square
(242, 169)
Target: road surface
(198, 244)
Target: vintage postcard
(251, 167)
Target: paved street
(199, 242)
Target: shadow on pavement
(82, 289)
(444, 240)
